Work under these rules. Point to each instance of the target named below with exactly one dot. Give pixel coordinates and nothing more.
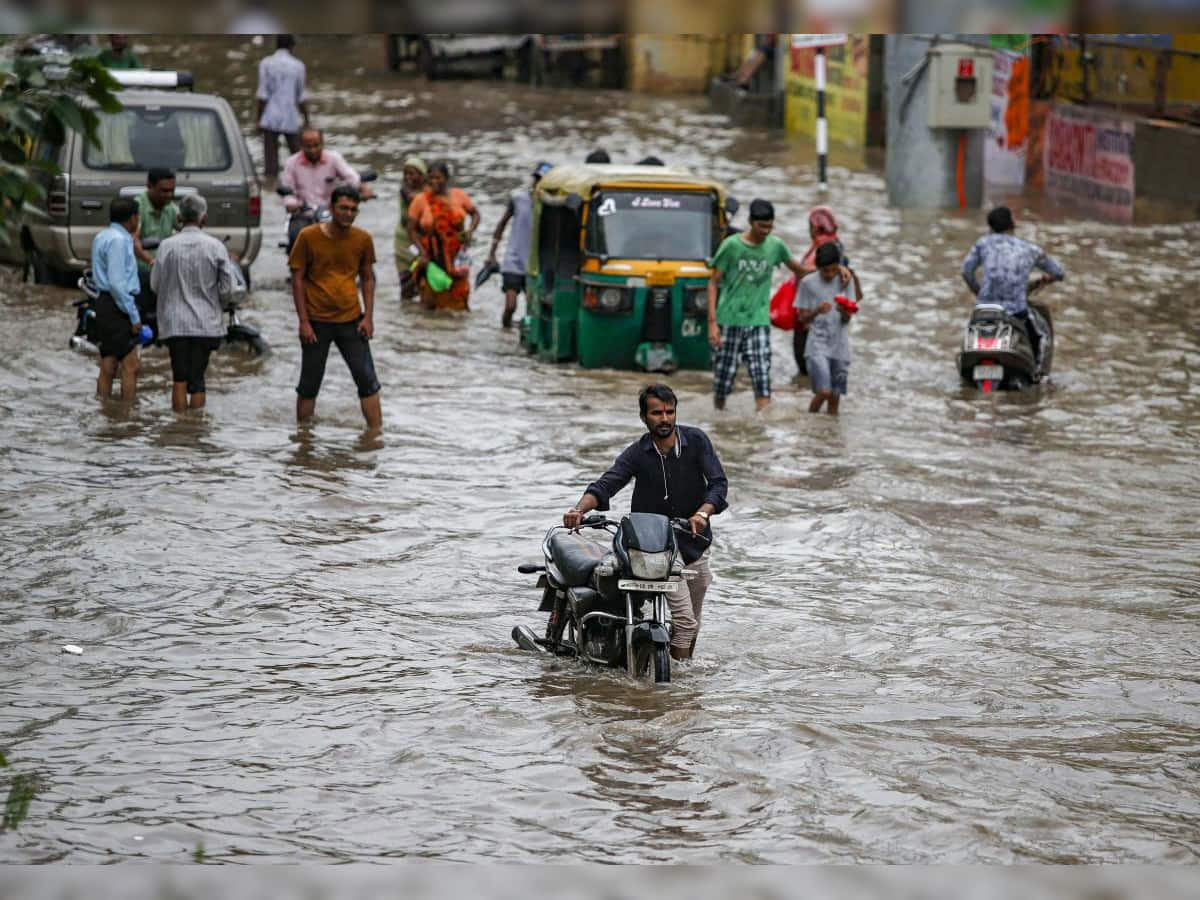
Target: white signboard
(817, 40)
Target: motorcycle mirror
(732, 206)
(284, 191)
(368, 175)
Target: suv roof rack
(153, 78)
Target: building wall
(679, 63)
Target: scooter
(86, 337)
(308, 213)
(997, 353)
(608, 606)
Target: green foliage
(20, 795)
(45, 96)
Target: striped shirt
(194, 278)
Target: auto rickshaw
(618, 274)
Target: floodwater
(945, 627)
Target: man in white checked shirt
(194, 278)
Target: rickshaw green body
(637, 311)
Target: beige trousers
(686, 605)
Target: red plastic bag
(783, 314)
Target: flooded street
(944, 627)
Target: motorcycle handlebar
(686, 527)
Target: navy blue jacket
(674, 485)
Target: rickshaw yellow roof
(583, 178)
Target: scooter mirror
(368, 175)
(284, 191)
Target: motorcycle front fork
(554, 627)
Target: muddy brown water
(945, 627)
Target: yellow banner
(846, 69)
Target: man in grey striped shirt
(194, 278)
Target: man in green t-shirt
(740, 324)
(159, 216)
(118, 55)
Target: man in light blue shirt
(114, 270)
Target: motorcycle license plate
(989, 373)
(651, 587)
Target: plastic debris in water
(73, 650)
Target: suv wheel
(39, 271)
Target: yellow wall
(679, 63)
(1127, 76)
(845, 90)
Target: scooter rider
(1007, 263)
(314, 172)
(676, 473)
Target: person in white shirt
(194, 278)
(282, 103)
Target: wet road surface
(945, 627)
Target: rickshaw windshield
(654, 224)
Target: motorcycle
(609, 606)
(86, 337)
(309, 213)
(997, 353)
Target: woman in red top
(437, 218)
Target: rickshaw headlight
(697, 301)
(610, 299)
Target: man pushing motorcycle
(676, 473)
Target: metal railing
(1137, 77)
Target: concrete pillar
(922, 161)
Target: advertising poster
(1008, 135)
(846, 70)
(1089, 161)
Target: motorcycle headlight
(653, 566)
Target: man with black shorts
(329, 262)
(194, 279)
(512, 272)
(118, 322)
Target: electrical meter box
(960, 86)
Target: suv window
(139, 138)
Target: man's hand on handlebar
(698, 523)
(573, 517)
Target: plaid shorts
(753, 344)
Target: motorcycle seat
(575, 557)
(988, 312)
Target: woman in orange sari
(437, 218)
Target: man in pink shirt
(314, 172)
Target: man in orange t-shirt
(329, 262)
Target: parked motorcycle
(86, 337)
(997, 353)
(308, 213)
(608, 605)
